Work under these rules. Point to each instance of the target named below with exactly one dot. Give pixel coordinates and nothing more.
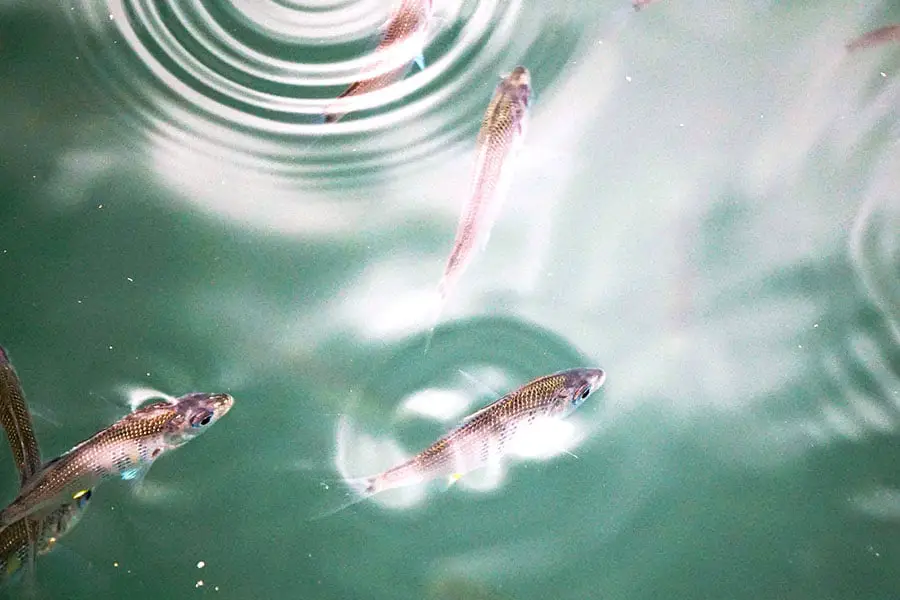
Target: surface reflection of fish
(481, 438)
(127, 449)
(499, 139)
(404, 36)
(882, 35)
(21, 541)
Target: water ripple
(229, 96)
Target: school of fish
(53, 496)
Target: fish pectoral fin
(420, 61)
(134, 474)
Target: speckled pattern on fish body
(22, 540)
(15, 540)
(16, 421)
(502, 130)
(126, 449)
(484, 434)
(403, 35)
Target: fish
(125, 449)
(882, 35)
(499, 139)
(403, 35)
(482, 436)
(27, 538)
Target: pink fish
(404, 34)
(499, 139)
(882, 35)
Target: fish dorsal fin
(480, 411)
(16, 421)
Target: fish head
(518, 86)
(576, 387)
(195, 413)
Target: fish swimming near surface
(403, 36)
(126, 449)
(499, 139)
(882, 35)
(26, 538)
(483, 436)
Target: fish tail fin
(357, 488)
(439, 301)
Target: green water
(705, 206)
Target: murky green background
(706, 206)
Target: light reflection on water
(705, 206)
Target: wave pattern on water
(230, 95)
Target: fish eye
(586, 392)
(201, 419)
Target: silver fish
(22, 541)
(483, 435)
(502, 131)
(404, 35)
(126, 449)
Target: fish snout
(599, 378)
(221, 403)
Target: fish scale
(409, 20)
(16, 421)
(499, 138)
(484, 434)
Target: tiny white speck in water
(116, 565)
(111, 17)
(99, 206)
(628, 78)
(883, 74)
(815, 325)
(216, 588)
(201, 564)
(199, 584)
(110, 347)
(130, 279)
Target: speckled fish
(26, 538)
(882, 35)
(126, 449)
(482, 436)
(404, 36)
(499, 139)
